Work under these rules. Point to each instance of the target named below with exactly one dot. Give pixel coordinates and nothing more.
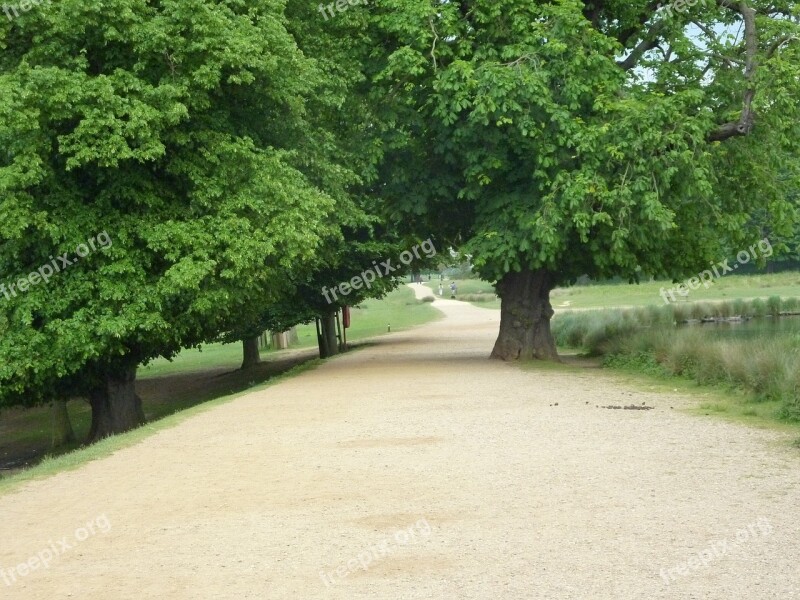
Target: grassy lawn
(198, 376)
(475, 291)
(399, 309)
(730, 287)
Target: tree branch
(648, 43)
(626, 34)
(747, 118)
(435, 39)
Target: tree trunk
(116, 407)
(252, 355)
(525, 314)
(280, 340)
(328, 342)
(62, 433)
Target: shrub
(479, 297)
(658, 315)
(603, 335)
(569, 329)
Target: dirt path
(417, 468)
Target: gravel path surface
(418, 468)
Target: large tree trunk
(116, 407)
(525, 314)
(252, 355)
(62, 433)
(328, 342)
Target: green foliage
(180, 128)
(516, 129)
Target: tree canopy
(601, 138)
(176, 129)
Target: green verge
(754, 373)
(718, 401)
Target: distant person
(453, 289)
(441, 291)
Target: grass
(399, 310)
(199, 376)
(761, 367)
(730, 287)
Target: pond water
(764, 327)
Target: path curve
(417, 468)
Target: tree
(604, 137)
(62, 433)
(163, 135)
(339, 155)
(306, 291)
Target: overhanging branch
(744, 125)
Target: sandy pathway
(447, 475)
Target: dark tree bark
(116, 407)
(252, 355)
(62, 432)
(328, 342)
(525, 314)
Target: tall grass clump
(658, 315)
(740, 308)
(681, 312)
(702, 310)
(790, 305)
(774, 306)
(725, 309)
(758, 308)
